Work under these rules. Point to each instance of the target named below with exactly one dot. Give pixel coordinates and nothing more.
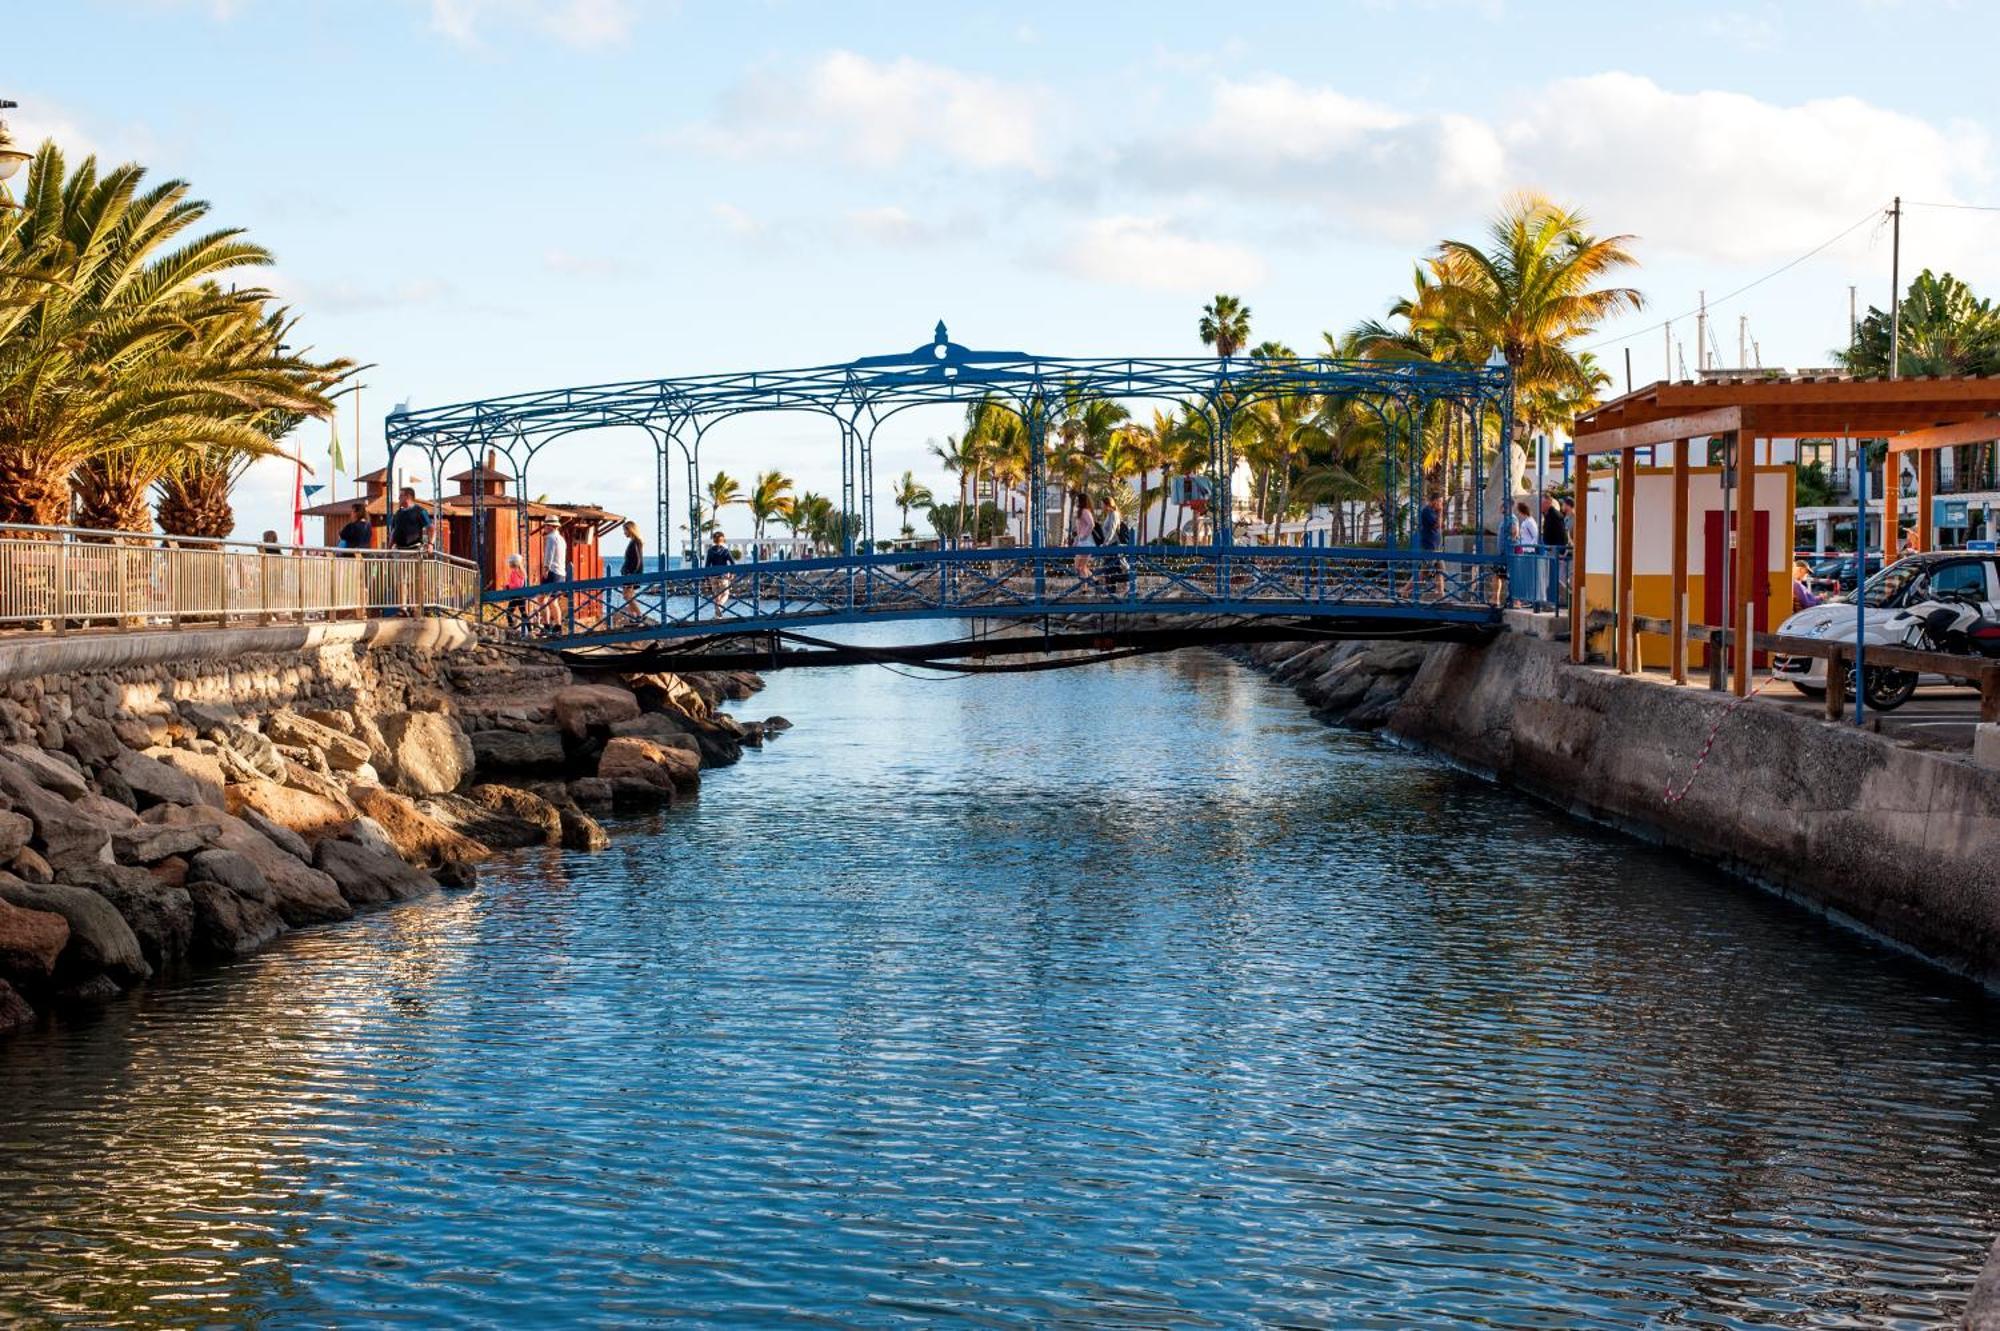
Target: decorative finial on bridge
(940, 337)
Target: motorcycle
(1955, 625)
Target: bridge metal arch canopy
(680, 411)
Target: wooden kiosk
(1915, 415)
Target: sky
(482, 197)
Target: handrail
(59, 578)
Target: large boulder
(149, 843)
(100, 942)
(665, 692)
(92, 741)
(518, 752)
(668, 731)
(522, 804)
(233, 870)
(64, 833)
(29, 866)
(487, 825)
(303, 895)
(300, 777)
(204, 776)
(47, 770)
(343, 752)
(716, 738)
(628, 757)
(580, 831)
(160, 916)
(304, 813)
(417, 837)
(16, 829)
(368, 876)
(424, 753)
(158, 777)
(30, 942)
(580, 708)
(227, 924)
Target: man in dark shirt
(410, 524)
(357, 534)
(409, 529)
(1555, 528)
(1555, 536)
(719, 556)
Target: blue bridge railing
(1328, 582)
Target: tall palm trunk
(111, 498)
(29, 493)
(195, 502)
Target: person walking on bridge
(631, 566)
(1083, 534)
(719, 556)
(555, 569)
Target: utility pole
(1742, 341)
(1701, 335)
(1895, 292)
(1853, 327)
(1628, 367)
(1667, 369)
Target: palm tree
(770, 497)
(908, 495)
(1528, 294)
(955, 455)
(118, 350)
(812, 514)
(1225, 325)
(723, 491)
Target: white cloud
(593, 267)
(737, 221)
(878, 114)
(1147, 252)
(580, 23)
(891, 225)
(1718, 175)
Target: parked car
(1834, 573)
(1945, 576)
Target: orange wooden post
(1680, 647)
(1926, 460)
(1892, 506)
(1579, 538)
(1628, 481)
(1748, 575)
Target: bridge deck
(1431, 589)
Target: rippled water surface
(1124, 997)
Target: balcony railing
(61, 578)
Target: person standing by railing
(1555, 542)
(409, 536)
(555, 570)
(631, 566)
(1430, 540)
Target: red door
(1712, 599)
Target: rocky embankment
(1353, 684)
(143, 830)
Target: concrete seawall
(1902, 842)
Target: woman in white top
(1083, 533)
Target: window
(1958, 578)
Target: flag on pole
(298, 502)
(335, 462)
(312, 491)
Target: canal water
(1121, 997)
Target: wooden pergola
(1917, 416)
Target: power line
(1961, 207)
(1872, 216)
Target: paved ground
(1940, 716)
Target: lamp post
(11, 157)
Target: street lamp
(10, 156)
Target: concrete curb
(29, 658)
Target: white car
(1911, 580)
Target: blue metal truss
(1023, 583)
(857, 397)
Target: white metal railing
(68, 577)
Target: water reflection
(1127, 997)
